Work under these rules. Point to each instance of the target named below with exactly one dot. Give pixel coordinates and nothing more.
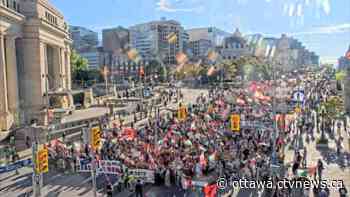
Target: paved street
(61, 185)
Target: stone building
(234, 47)
(34, 60)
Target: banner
(16, 165)
(103, 167)
(109, 167)
(146, 176)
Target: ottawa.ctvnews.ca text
(223, 183)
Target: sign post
(95, 144)
(35, 178)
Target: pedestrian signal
(182, 113)
(235, 122)
(42, 161)
(96, 137)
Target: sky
(322, 25)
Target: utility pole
(35, 177)
(93, 163)
(274, 134)
(105, 74)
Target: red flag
(129, 134)
(210, 190)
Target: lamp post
(105, 75)
(323, 114)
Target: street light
(323, 114)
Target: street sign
(235, 122)
(96, 137)
(42, 160)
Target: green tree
(340, 75)
(78, 66)
(78, 63)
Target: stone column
(63, 69)
(68, 69)
(12, 78)
(56, 68)
(4, 113)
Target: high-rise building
(93, 58)
(291, 54)
(344, 61)
(115, 39)
(34, 61)
(152, 39)
(83, 39)
(85, 42)
(215, 35)
(199, 49)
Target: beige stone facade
(34, 59)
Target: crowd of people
(203, 144)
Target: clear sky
(323, 25)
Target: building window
(51, 18)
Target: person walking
(320, 169)
(109, 190)
(305, 158)
(139, 189)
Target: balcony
(11, 4)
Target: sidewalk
(336, 167)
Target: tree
(340, 75)
(79, 66)
(78, 63)
(80, 72)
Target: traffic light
(235, 122)
(182, 113)
(42, 161)
(96, 137)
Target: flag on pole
(172, 38)
(181, 58)
(211, 71)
